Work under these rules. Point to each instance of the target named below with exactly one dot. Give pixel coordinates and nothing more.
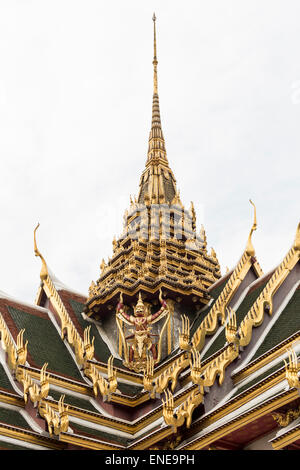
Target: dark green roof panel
(241, 312)
(73, 401)
(45, 344)
(13, 418)
(102, 351)
(4, 381)
(287, 324)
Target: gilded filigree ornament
(170, 375)
(83, 349)
(264, 303)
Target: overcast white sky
(75, 113)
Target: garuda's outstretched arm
(121, 311)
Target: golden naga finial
(44, 271)
(297, 239)
(249, 247)
(154, 57)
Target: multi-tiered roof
(229, 381)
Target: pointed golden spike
(249, 247)
(154, 57)
(44, 271)
(297, 239)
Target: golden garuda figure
(140, 343)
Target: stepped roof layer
(245, 395)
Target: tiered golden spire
(159, 246)
(158, 184)
(156, 148)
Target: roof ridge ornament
(297, 239)
(44, 271)
(249, 247)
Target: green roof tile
(97, 434)
(45, 344)
(4, 381)
(128, 389)
(13, 418)
(73, 401)
(241, 312)
(214, 292)
(8, 446)
(102, 351)
(286, 325)
(257, 379)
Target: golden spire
(154, 58)
(158, 184)
(44, 270)
(156, 148)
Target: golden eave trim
(240, 400)
(61, 381)
(28, 436)
(286, 439)
(86, 442)
(157, 436)
(11, 399)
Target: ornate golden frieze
(16, 357)
(218, 311)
